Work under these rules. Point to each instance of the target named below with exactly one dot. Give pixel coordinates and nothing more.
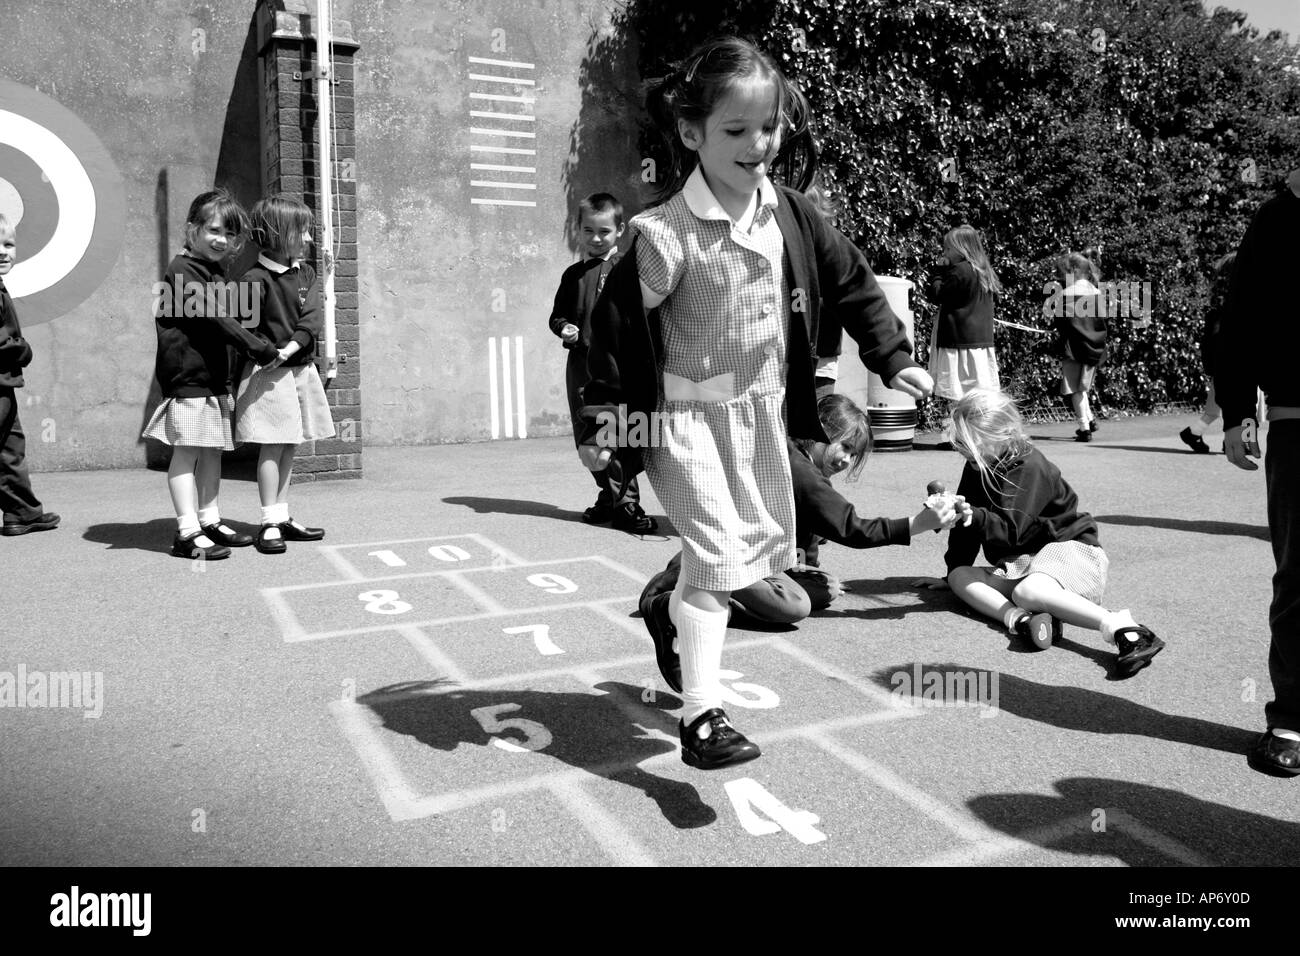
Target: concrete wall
(173, 108)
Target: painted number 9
(552, 583)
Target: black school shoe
(632, 519)
(724, 746)
(293, 531)
(1040, 629)
(15, 526)
(654, 611)
(1136, 647)
(1274, 755)
(229, 537)
(1093, 426)
(1083, 434)
(1195, 442)
(185, 547)
(602, 512)
(270, 545)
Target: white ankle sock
(275, 514)
(209, 516)
(1013, 616)
(1114, 621)
(187, 524)
(701, 634)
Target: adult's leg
(1282, 473)
(16, 495)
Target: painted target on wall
(61, 190)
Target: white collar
(612, 249)
(277, 267)
(701, 201)
(1082, 287)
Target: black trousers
(1282, 473)
(16, 496)
(575, 377)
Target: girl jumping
(195, 320)
(727, 360)
(282, 403)
(1048, 565)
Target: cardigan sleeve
(964, 542)
(850, 292)
(310, 321)
(1237, 363)
(822, 511)
(1016, 523)
(566, 296)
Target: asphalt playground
(456, 675)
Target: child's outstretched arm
(248, 341)
(561, 322)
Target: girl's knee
(964, 577)
(1034, 591)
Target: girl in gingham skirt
(723, 261)
(195, 317)
(1048, 565)
(282, 403)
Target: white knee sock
(187, 524)
(1114, 621)
(701, 634)
(1083, 412)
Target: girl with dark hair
(706, 324)
(1082, 328)
(961, 348)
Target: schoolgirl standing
(1082, 328)
(961, 350)
(727, 360)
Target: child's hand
(274, 363)
(931, 584)
(929, 519)
(569, 332)
(595, 458)
(914, 381)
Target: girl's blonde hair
(277, 218)
(986, 423)
(965, 241)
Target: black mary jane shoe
(654, 611)
(270, 545)
(185, 546)
(723, 747)
(1136, 646)
(229, 537)
(1274, 755)
(293, 531)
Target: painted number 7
(541, 637)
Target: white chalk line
(481, 569)
(613, 837)
(485, 601)
(432, 654)
(354, 720)
(352, 573)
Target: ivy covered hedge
(1144, 127)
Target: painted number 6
(536, 737)
(753, 696)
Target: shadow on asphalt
(541, 509)
(591, 732)
(1078, 708)
(1184, 524)
(155, 536)
(1225, 835)
(1101, 442)
(893, 598)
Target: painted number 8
(383, 602)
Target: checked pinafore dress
(719, 464)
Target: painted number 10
(443, 552)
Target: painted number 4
(748, 796)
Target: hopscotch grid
(353, 573)
(481, 569)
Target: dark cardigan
(824, 270)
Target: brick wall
(290, 163)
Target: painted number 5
(748, 795)
(552, 583)
(536, 737)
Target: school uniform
(285, 405)
(17, 500)
(193, 363)
(575, 300)
(1029, 522)
(728, 360)
(961, 346)
(1082, 327)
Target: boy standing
(600, 227)
(22, 510)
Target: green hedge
(1147, 128)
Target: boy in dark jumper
(22, 510)
(600, 227)
(1259, 337)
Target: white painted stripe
(478, 594)
(518, 134)
(1005, 844)
(354, 720)
(622, 569)
(1154, 839)
(290, 629)
(492, 386)
(526, 100)
(507, 404)
(488, 78)
(492, 185)
(497, 549)
(604, 828)
(485, 61)
(496, 167)
(503, 149)
(342, 564)
(426, 648)
(469, 536)
(481, 569)
(629, 624)
(877, 694)
(488, 114)
(501, 202)
(519, 384)
(937, 811)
